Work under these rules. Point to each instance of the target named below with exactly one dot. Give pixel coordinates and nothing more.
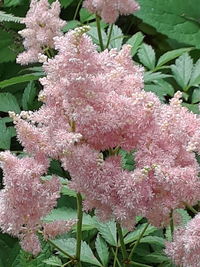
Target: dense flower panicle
(26, 198)
(95, 101)
(51, 230)
(185, 248)
(42, 25)
(110, 10)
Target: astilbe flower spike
(95, 102)
(184, 250)
(26, 198)
(42, 25)
(109, 10)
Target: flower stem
(77, 9)
(138, 241)
(171, 223)
(60, 249)
(109, 36)
(99, 32)
(79, 229)
(123, 247)
(115, 257)
(190, 208)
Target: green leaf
(182, 70)
(69, 245)
(171, 55)
(153, 240)
(196, 96)
(155, 257)
(65, 3)
(108, 231)
(135, 41)
(6, 134)
(7, 47)
(9, 17)
(195, 77)
(133, 236)
(64, 213)
(53, 261)
(192, 107)
(10, 3)
(85, 15)
(94, 35)
(19, 79)
(8, 102)
(102, 250)
(147, 56)
(68, 192)
(150, 76)
(176, 19)
(185, 217)
(127, 160)
(72, 24)
(116, 37)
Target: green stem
(171, 223)
(99, 32)
(65, 264)
(138, 241)
(77, 9)
(60, 249)
(190, 208)
(115, 257)
(140, 264)
(109, 36)
(79, 228)
(123, 247)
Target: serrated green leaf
(7, 47)
(9, 17)
(53, 261)
(10, 3)
(5, 135)
(133, 236)
(147, 56)
(168, 56)
(28, 96)
(195, 76)
(182, 70)
(127, 160)
(108, 231)
(192, 107)
(166, 87)
(135, 41)
(72, 24)
(102, 250)
(68, 192)
(176, 19)
(155, 257)
(94, 35)
(153, 240)
(85, 15)
(116, 37)
(8, 102)
(19, 79)
(185, 217)
(150, 76)
(196, 96)
(69, 213)
(65, 3)
(69, 246)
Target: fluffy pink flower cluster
(42, 25)
(25, 198)
(109, 10)
(95, 102)
(184, 250)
